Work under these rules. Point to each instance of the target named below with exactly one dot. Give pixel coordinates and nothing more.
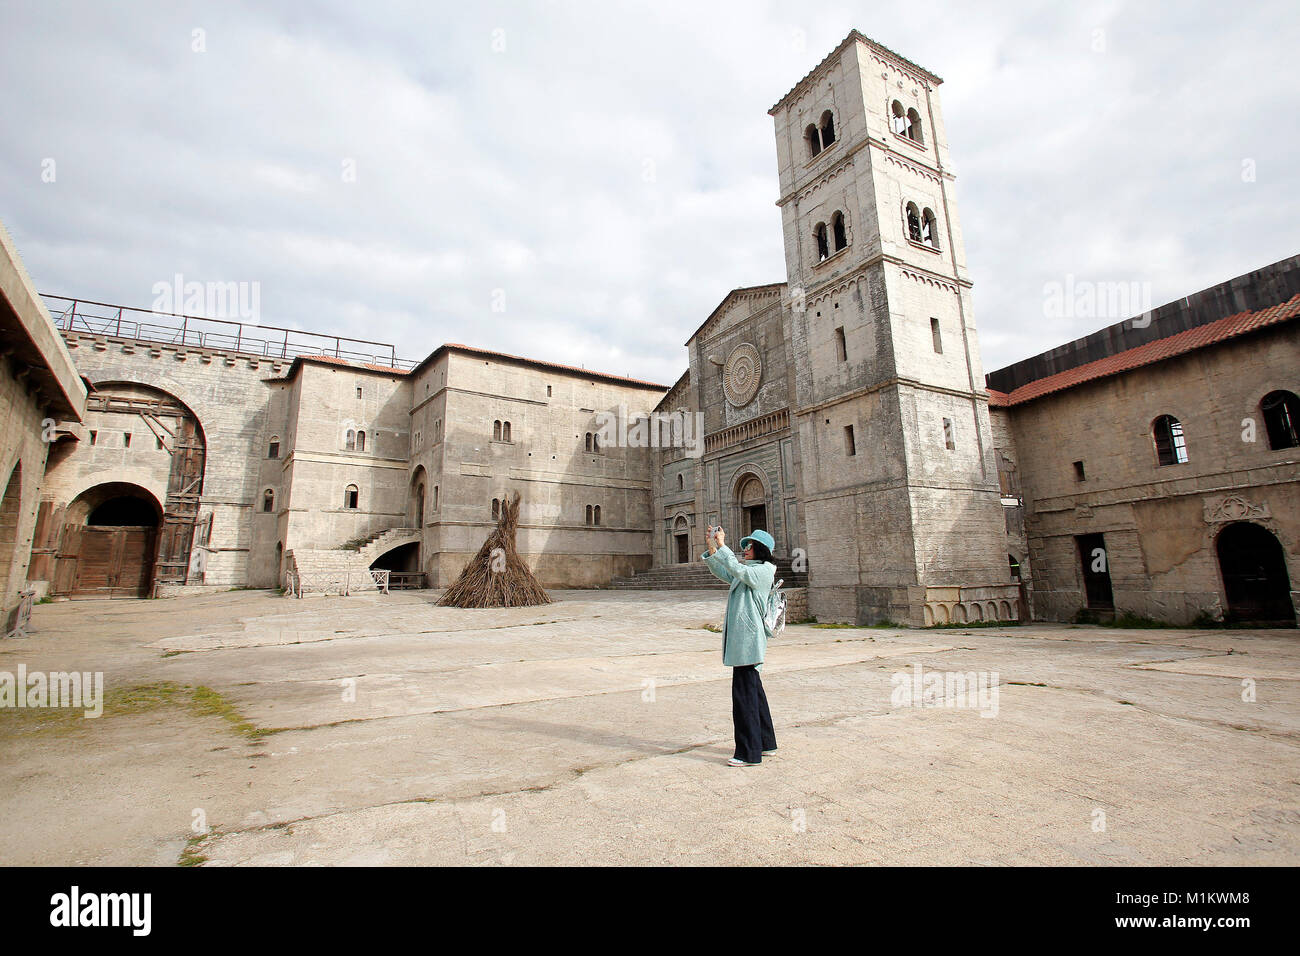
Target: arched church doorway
(682, 537)
(109, 543)
(1255, 579)
(753, 506)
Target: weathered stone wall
(547, 463)
(1160, 521)
(228, 395)
(22, 461)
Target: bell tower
(899, 487)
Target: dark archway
(1255, 579)
(110, 542)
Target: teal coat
(744, 638)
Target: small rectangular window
(126, 439)
(273, 450)
(841, 349)
(849, 445)
(948, 441)
(934, 334)
(1078, 471)
(358, 391)
(158, 440)
(548, 391)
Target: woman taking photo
(744, 638)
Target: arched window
(681, 483)
(913, 222)
(361, 441)
(586, 445)
(351, 497)
(596, 515)
(898, 119)
(914, 126)
(496, 508)
(496, 430)
(813, 139)
(588, 514)
(823, 246)
(350, 442)
(837, 229)
(505, 431)
(828, 129)
(273, 447)
(1171, 445)
(595, 442)
(1281, 412)
(1015, 567)
(268, 501)
(929, 229)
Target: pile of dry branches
(497, 576)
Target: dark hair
(761, 552)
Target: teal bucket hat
(762, 537)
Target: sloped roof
(1181, 343)
(854, 35)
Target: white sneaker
(769, 753)
(734, 762)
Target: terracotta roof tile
(1151, 352)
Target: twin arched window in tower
(922, 227)
(825, 236)
(819, 135)
(906, 123)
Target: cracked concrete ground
(596, 729)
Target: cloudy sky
(583, 182)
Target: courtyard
(245, 728)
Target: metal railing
(194, 331)
(341, 582)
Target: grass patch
(712, 627)
(192, 855)
(131, 701)
(48, 599)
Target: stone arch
(109, 545)
(1004, 608)
(1256, 581)
(976, 612)
(941, 615)
(10, 521)
(959, 614)
(419, 488)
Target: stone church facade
(843, 409)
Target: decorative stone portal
(1255, 579)
(752, 500)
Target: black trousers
(749, 714)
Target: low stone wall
(796, 604)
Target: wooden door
(107, 562)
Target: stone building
(1153, 467)
(845, 408)
(42, 403)
(203, 464)
(1148, 469)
